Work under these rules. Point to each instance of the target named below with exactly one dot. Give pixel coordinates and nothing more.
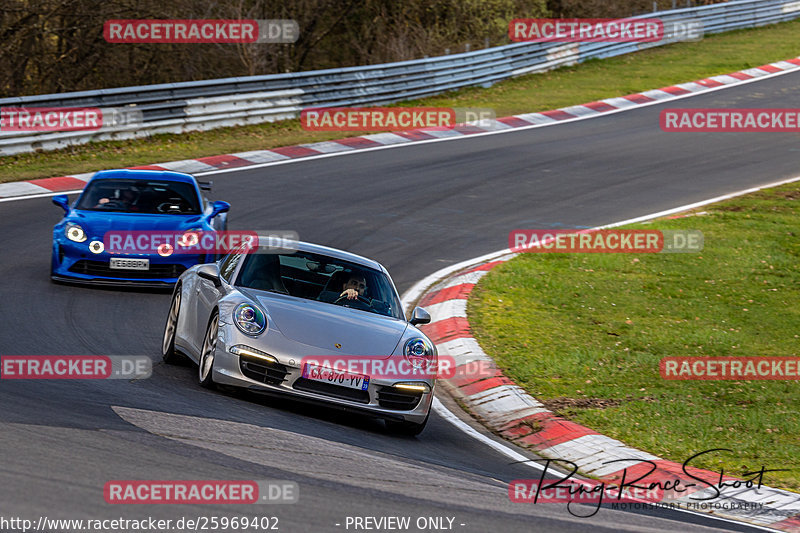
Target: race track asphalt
(416, 209)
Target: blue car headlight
(418, 352)
(249, 319)
(74, 232)
(190, 238)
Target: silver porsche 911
(309, 321)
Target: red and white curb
(505, 408)
(243, 160)
(508, 410)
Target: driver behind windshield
(355, 286)
(127, 199)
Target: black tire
(168, 353)
(205, 370)
(410, 429)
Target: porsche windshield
(322, 278)
(141, 196)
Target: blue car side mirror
(62, 201)
(219, 207)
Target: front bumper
(73, 263)
(380, 400)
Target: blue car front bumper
(73, 262)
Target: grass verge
(593, 80)
(584, 333)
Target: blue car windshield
(141, 196)
(322, 278)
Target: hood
(97, 224)
(322, 325)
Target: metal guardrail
(208, 104)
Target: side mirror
(211, 273)
(62, 201)
(219, 207)
(420, 316)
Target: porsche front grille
(398, 399)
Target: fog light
(96, 247)
(165, 250)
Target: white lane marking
(190, 166)
(386, 138)
(658, 94)
(23, 188)
(620, 103)
(471, 278)
(260, 156)
(579, 111)
(447, 309)
(327, 147)
(537, 119)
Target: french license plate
(326, 374)
(129, 264)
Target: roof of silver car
(338, 254)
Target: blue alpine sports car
(139, 206)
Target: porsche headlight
(418, 352)
(75, 233)
(249, 319)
